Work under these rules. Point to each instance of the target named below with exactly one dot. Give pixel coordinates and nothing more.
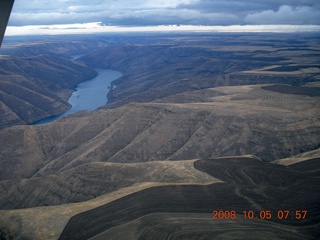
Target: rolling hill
(36, 87)
(183, 64)
(183, 208)
(197, 123)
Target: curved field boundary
(250, 184)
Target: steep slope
(209, 123)
(32, 88)
(248, 185)
(95, 179)
(154, 71)
(170, 148)
(186, 204)
(107, 177)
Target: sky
(86, 16)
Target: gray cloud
(262, 11)
(244, 7)
(150, 12)
(286, 15)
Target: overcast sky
(166, 12)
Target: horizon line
(98, 27)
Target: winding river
(89, 95)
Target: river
(89, 95)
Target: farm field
(197, 123)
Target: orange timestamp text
(262, 214)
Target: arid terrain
(36, 87)
(197, 123)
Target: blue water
(89, 95)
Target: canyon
(198, 122)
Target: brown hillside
(249, 184)
(197, 123)
(91, 180)
(32, 88)
(210, 123)
(154, 71)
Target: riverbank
(88, 95)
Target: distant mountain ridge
(57, 47)
(156, 71)
(194, 125)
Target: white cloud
(98, 27)
(165, 12)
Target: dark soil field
(154, 163)
(197, 226)
(309, 91)
(249, 184)
(311, 165)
